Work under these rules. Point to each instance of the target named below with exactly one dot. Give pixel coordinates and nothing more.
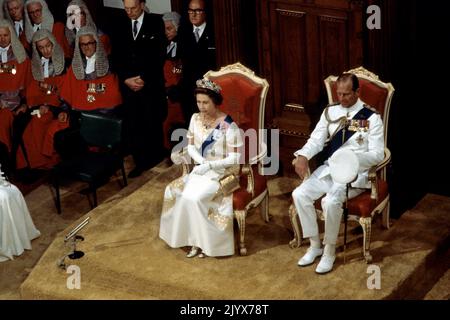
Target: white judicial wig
(344, 166)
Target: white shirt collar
(45, 62)
(140, 20)
(350, 111)
(4, 53)
(17, 25)
(36, 26)
(200, 28)
(90, 64)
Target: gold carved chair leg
(264, 207)
(297, 241)
(366, 224)
(240, 217)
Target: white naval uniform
(368, 147)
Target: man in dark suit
(138, 52)
(198, 52)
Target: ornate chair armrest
(386, 160)
(373, 177)
(182, 157)
(260, 156)
(247, 170)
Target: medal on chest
(95, 88)
(8, 68)
(46, 88)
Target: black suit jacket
(198, 57)
(142, 57)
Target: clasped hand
(135, 83)
(201, 169)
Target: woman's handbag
(229, 184)
(230, 181)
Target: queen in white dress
(195, 213)
(16, 226)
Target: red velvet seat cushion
(363, 205)
(241, 197)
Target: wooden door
(302, 42)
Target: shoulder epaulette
(370, 108)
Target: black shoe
(136, 172)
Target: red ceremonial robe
(80, 97)
(38, 135)
(12, 82)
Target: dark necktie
(135, 29)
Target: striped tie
(197, 34)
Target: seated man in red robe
(14, 72)
(42, 94)
(78, 16)
(89, 84)
(38, 16)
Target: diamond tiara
(208, 84)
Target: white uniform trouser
(332, 204)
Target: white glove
(201, 169)
(231, 159)
(192, 151)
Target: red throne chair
(244, 97)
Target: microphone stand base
(76, 255)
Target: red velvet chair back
(244, 96)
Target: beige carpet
(125, 259)
(75, 204)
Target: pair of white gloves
(204, 165)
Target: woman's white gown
(192, 215)
(16, 226)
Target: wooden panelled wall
(295, 44)
(235, 24)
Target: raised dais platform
(125, 259)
